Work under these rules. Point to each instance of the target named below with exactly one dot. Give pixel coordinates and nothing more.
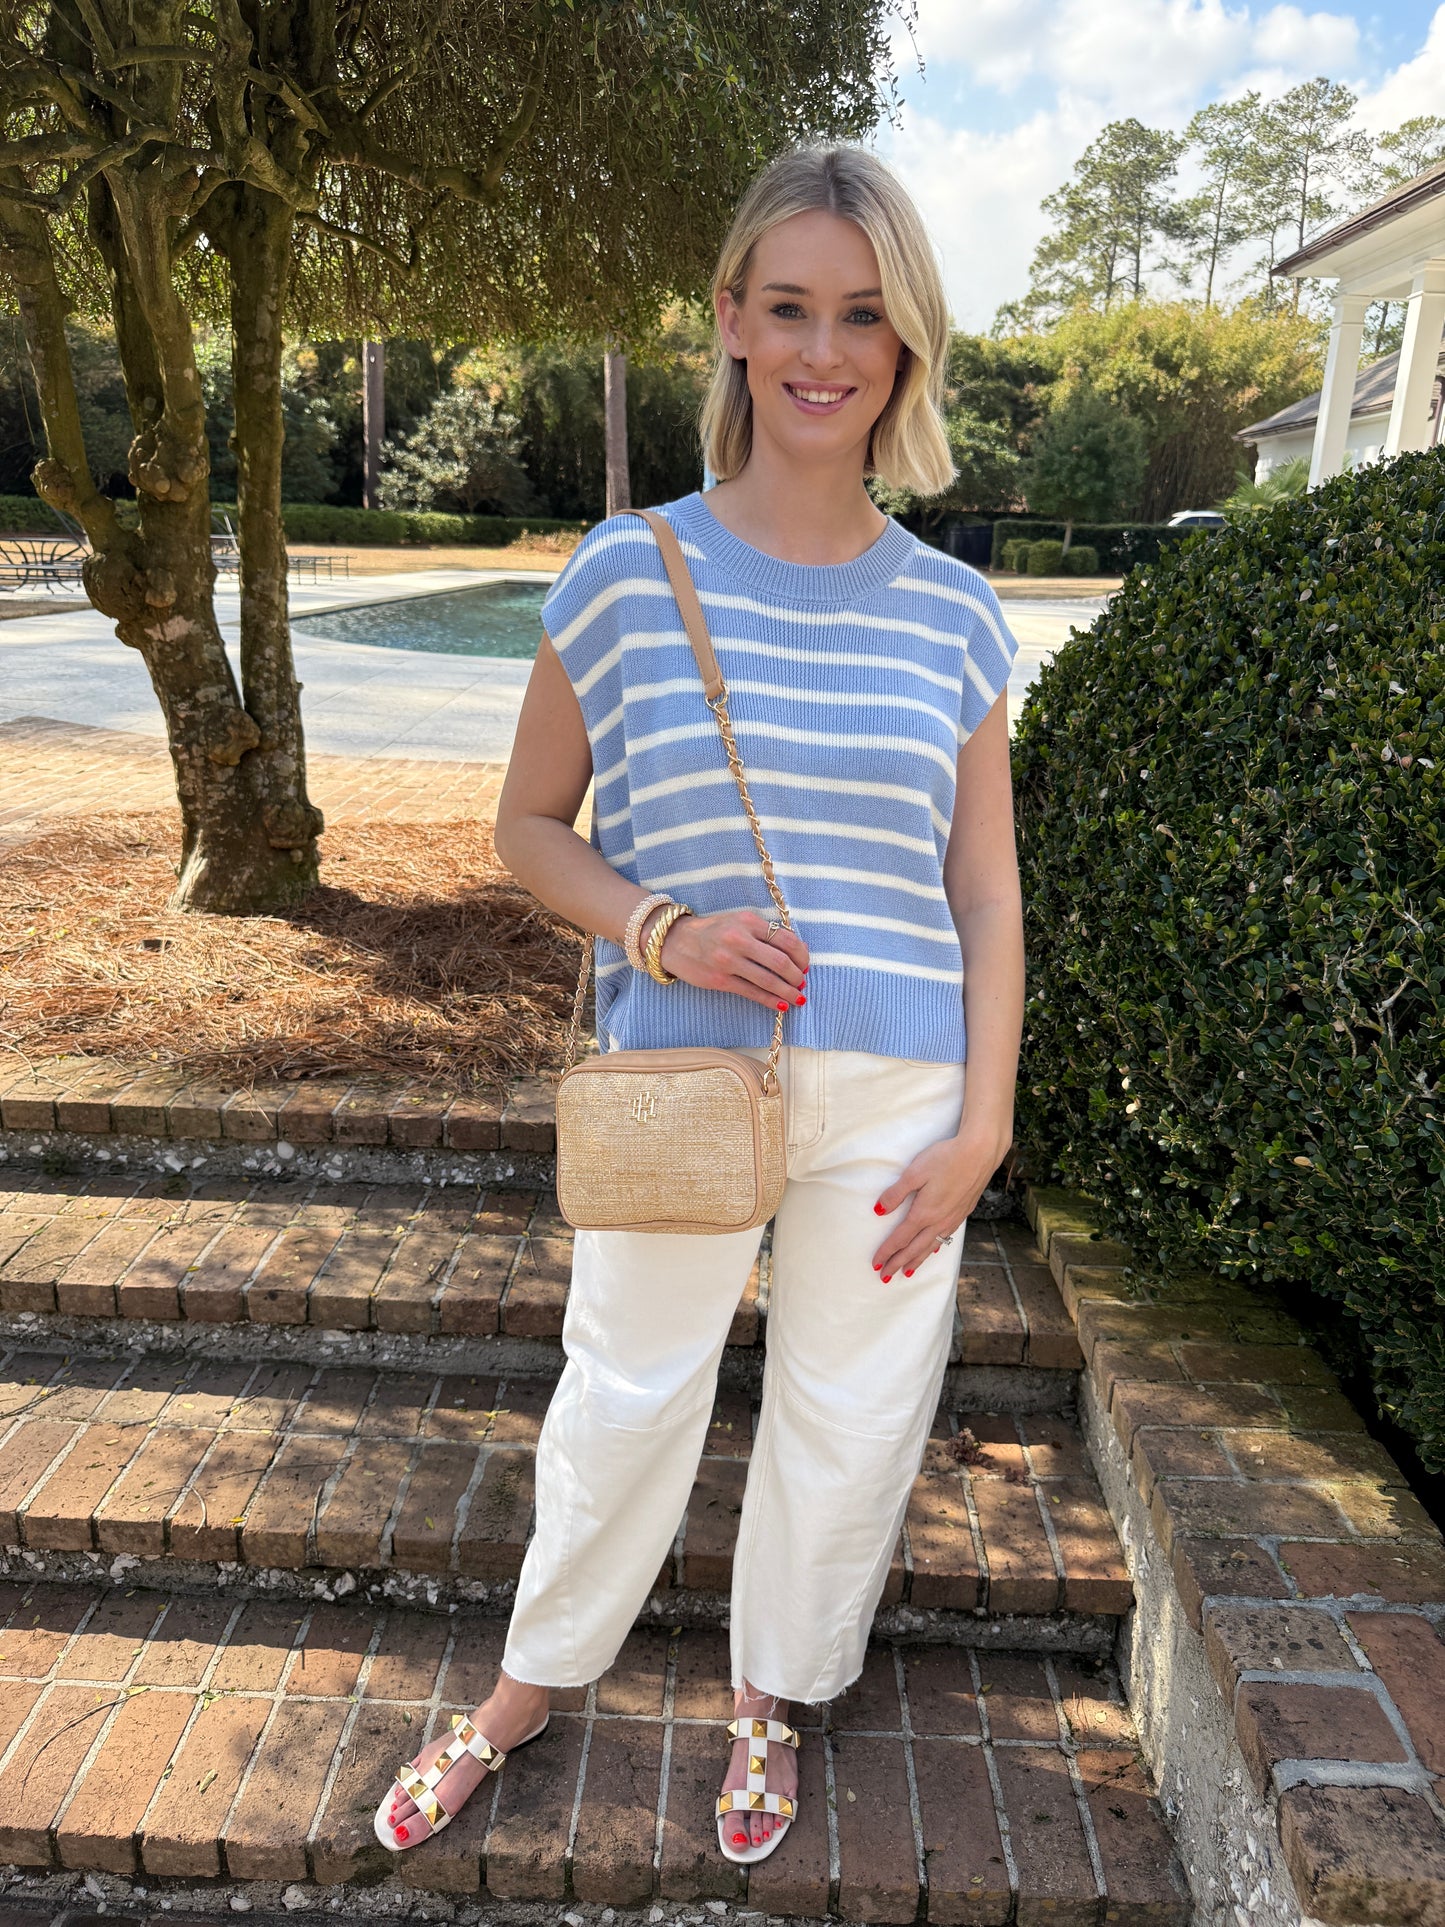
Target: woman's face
(821, 352)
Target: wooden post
(1337, 396)
(614, 398)
(1411, 425)
(373, 416)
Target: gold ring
(773, 928)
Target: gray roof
(1374, 391)
(1399, 200)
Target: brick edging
(1313, 1575)
(98, 1097)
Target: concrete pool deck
(360, 701)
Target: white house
(1290, 435)
(1393, 250)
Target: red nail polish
(402, 1834)
(908, 1272)
(740, 1839)
(782, 1006)
(887, 1277)
(879, 1210)
(878, 1267)
(801, 1000)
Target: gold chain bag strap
(675, 1140)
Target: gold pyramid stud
(785, 1806)
(760, 1729)
(755, 1800)
(757, 1764)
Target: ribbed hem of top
(911, 1017)
(839, 584)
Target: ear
(729, 322)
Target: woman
(866, 673)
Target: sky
(1012, 91)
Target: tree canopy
(435, 168)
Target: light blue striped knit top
(851, 687)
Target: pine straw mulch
(417, 956)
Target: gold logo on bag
(644, 1107)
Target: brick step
(184, 1739)
(254, 1474)
(443, 1276)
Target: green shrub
(1231, 796)
(1120, 544)
(1081, 560)
(318, 522)
(1016, 555)
(1046, 558)
(28, 515)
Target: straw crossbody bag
(674, 1140)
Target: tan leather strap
(715, 690)
(693, 620)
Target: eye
(867, 316)
(779, 306)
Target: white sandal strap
(746, 1800)
(763, 1730)
(479, 1748)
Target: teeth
(818, 394)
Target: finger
(773, 955)
(770, 976)
(897, 1194)
(768, 999)
(791, 945)
(910, 1233)
(917, 1253)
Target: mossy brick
(529, 1117)
(1363, 1853)
(250, 1117)
(1050, 1210)
(1250, 1638)
(1278, 1720)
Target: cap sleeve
(989, 651)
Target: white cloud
(979, 194)
(1153, 58)
(1415, 87)
(1078, 64)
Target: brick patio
(51, 770)
(253, 1740)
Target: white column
(1342, 364)
(1419, 359)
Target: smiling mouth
(817, 398)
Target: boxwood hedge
(1231, 797)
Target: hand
(945, 1182)
(732, 951)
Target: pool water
(494, 619)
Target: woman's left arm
(981, 879)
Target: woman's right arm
(546, 781)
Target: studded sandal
(755, 1797)
(420, 1788)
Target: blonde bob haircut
(908, 448)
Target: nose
(823, 348)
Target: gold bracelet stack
(652, 955)
(635, 924)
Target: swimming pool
(493, 619)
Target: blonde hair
(908, 448)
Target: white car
(1197, 519)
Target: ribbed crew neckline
(839, 583)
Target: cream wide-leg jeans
(850, 1387)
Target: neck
(799, 512)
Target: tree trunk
(255, 230)
(614, 390)
(155, 583)
(373, 417)
(1068, 533)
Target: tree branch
(75, 184)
